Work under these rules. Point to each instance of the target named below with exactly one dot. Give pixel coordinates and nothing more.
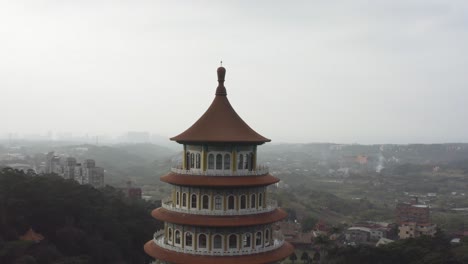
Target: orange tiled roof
(218, 221)
(219, 181)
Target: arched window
(177, 237)
(177, 198)
(192, 160)
(193, 203)
(243, 202)
(206, 202)
(233, 241)
(169, 234)
(267, 237)
(198, 161)
(188, 239)
(231, 202)
(227, 161)
(202, 241)
(184, 200)
(211, 162)
(218, 202)
(260, 200)
(253, 201)
(240, 163)
(217, 242)
(251, 161)
(219, 162)
(247, 240)
(258, 238)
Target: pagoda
(219, 210)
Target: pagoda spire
(221, 90)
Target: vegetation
(79, 223)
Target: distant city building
(83, 173)
(367, 232)
(414, 220)
(132, 192)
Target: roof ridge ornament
(221, 90)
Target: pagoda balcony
(258, 171)
(159, 240)
(270, 206)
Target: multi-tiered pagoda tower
(219, 210)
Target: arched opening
(240, 163)
(227, 161)
(251, 161)
(219, 162)
(188, 239)
(202, 241)
(184, 200)
(253, 201)
(217, 242)
(247, 240)
(192, 160)
(193, 202)
(260, 200)
(177, 237)
(211, 162)
(267, 237)
(218, 202)
(258, 238)
(233, 241)
(231, 203)
(206, 202)
(243, 202)
(177, 198)
(198, 161)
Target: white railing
(260, 170)
(270, 206)
(158, 239)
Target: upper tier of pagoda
(220, 123)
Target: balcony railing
(158, 239)
(270, 206)
(260, 170)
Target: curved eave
(219, 181)
(220, 124)
(180, 258)
(218, 221)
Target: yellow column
(195, 240)
(184, 158)
(204, 161)
(254, 165)
(234, 159)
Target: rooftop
(220, 123)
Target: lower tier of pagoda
(176, 257)
(218, 221)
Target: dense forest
(79, 224)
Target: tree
(305, 257)
(293, 257)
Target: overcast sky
(297, 71)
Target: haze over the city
(302, 71)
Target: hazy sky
(297, 71)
